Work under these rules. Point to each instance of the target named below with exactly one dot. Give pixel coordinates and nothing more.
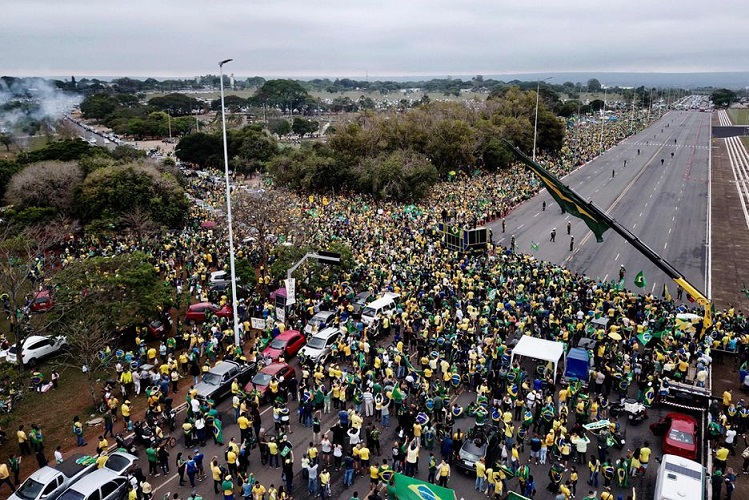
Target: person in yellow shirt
(23, 441)
(216, 474)
(101, 460)
(5, 477)
(480, 474)
(125, 409)
(364, 458)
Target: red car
(196, 312)
(262, 379)
(679, 433)
(285, 344)
(42, 301)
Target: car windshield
(368, 311)
(12, 349)
(317, 320)
(681, 437)
(475, 446)
(278, 343)
(117, 463)
(261, 379)
(30, 489)
(212, 378)
(316, 343)
(71, 495)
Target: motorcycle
(143, 434)
(636, 411)
(127, 444)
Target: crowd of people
(457, 320)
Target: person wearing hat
(717, 482)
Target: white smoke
(33, 99)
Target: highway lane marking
(175, 476)
(640, 214)
(521, 225)
(605, 278)
(669, 230)
(646, 204)
(665, 245)
(537, 214)
(616, 258)
(673, 218)
(634, 226)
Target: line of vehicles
(77, 478)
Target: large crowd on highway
(393, 384)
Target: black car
(219, 289)
(216, 384)
(481, 441)
(360, 300)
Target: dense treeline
(390, 155)
(98, 187)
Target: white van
(385, 305)
(680, 479)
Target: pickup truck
(216, 383)
(49, 482)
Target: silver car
(102, 484)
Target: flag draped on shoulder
(567, 199)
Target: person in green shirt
(592, 495)
(153, 461)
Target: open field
(739, 116)
(745, 140)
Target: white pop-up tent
(533, 347)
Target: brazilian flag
(569, 200)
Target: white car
(36, 348)
(221, 277)
(319, 322)
(320, 345)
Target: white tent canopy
(533, 347)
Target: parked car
(481, 441)
(261, 381)
(121, 463)
(219, 289)
(35, 348)
(159, 328)
(286, 344)
(196, 312)
(221, 277)
(319, 322)
(50, 481)
(102, 484)
(320, 345)
(43, 301)
(216, 383)
(361, 300)
(679, 433)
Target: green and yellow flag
(567, 199)
(640, 280)
(409, 488)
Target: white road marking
(521, 225)
(616, 258)
(634, 226)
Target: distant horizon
(731, 79)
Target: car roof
(33, 338)
(324, 314)
(287, 334)
(90, 482)
(274, 368)
(42, 293)
(326, 332)
(223, 367)
(680, 417)
(202, 304)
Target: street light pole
(603, 118)
(237, 340)
(535, 122)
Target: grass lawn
(739, 116)
(745, 140)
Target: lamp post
(603, 118)
(535, 122)
(237, 340)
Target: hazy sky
(354, 38)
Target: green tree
(280, 127)
(289, 95)
(96, 298)
(99, 106)
(400, 175)
(201, 148)
(723, 98)
(110, 192)
(175, 104)
(302, 127)
(594, 85)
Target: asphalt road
(665, 205)
(462, 483)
